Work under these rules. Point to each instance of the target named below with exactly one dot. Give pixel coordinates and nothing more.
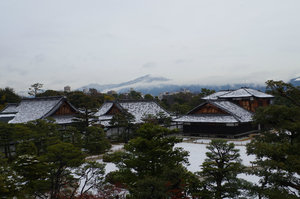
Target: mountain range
(156, 85)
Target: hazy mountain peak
(143, 80)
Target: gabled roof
(238, 113)
(241, 114)
(138, 108)
(104, 108)
(38, 108)
(239, 93)
(246, 92)
(215, 95)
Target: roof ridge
(133, 100)
(229, 91)
(44, 98)
(248, 91)
(230, 112)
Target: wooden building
(225, 114)
(32, 109)
(138, 108)
(248, 98)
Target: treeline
(177, 103)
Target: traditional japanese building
(225, 114)
(247, 98)
(138, 108)
(32, 109)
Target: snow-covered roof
(238, 112)
(105, 119)
(245, 92)
(7, 115)
(37, 108)
(141, 109)
(215, 95)
(207, 119)
(239, 93)
(138, 109)
(9, 108)
(104, 108)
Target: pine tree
(150, 166)
(220, 170)
(123, 121)
(277, 148)
(35, 89)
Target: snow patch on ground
(197, 156)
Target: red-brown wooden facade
(113, 110)
(65, 109)
(208, 109)
(252, 105)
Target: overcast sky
(71, 42)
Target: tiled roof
(38, 108)
(238, 112)
(239, 93)
(9, 108)
(207, 119)
(33, 109)
(215, 95)
(246, 92)
(141, 109)
(104, 108)
(138, 109)
(235, 113)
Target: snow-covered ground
(197, 150)
(236, 142)
(197, 156)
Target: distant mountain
(144, 80)
(156, 90)
(295, 81)
(156, 85)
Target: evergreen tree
(88, 107)
(150, 166)
(9, 181)
(6, 139)
(43, 133)
(8, 95)
(220, 170)
(148, 97)
(95, 140)
(59, 159)
(123, 121)
(50, 93)
(161, 119)
(277, 147)
(35, 89)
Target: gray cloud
(193, 41)
(149, 65)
